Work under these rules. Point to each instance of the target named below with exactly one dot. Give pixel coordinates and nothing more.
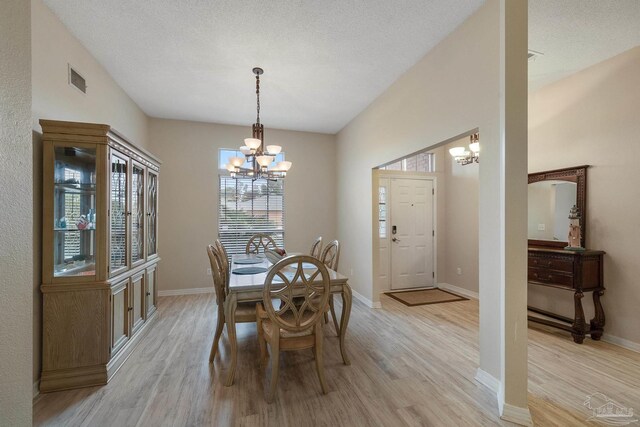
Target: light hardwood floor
(410, 366)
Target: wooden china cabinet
(99, 252)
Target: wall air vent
(76, 80)
(532, 55)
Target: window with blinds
(247, 207)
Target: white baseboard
(190, 291)
(488, 380)
(516, 414)
(624, 343)
(462, 291)
(36, 389)
(366, 301)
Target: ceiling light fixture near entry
(464, 156)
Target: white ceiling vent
(532, 55)
(76, 80)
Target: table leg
(597, 323)
(333, 315)
(578, 321)
(230, 318)
(344, 321)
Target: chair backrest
(259, 242)
(331, 255)
(316, 248)
(288, 279)
(216, 272)
(224, 259)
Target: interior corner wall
(188, 219)
(431, 103)
(16, 275)
(53, 47)
(461, 230)
(591, 118)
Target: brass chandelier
(259, 158)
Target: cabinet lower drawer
(544, 275)
(558, 264)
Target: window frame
(235, 239)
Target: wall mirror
(551, 194)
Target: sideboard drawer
(543, 275)
(557, 264)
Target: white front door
(412, 233)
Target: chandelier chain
(258, 97)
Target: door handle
(395, 239)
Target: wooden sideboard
(575, 271)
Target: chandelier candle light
(256, 154)
(464, 156)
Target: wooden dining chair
(225, 262)
(259, 243)
(330, 258)
(284, 325)
(245, 312)
(316, 248)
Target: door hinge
(433, 191)
(433, 233)
(433, 274)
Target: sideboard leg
(578, 326)
(597, 323)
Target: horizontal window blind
(247, 207)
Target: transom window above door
(421, 162)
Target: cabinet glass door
(74, 212)
(152, 209)
(137, 213)
(118, 214)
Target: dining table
(249, 288)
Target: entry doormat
(425, 296)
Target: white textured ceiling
(576, 34)
(324, 61)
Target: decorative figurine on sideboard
(575, 233)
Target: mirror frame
(577, 174)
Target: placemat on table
(249, 270)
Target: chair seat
(268, 328)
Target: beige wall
(189, 193)
(592, 118)
(53, 47)
(461, 229)
(438, 98)
(16, 216)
